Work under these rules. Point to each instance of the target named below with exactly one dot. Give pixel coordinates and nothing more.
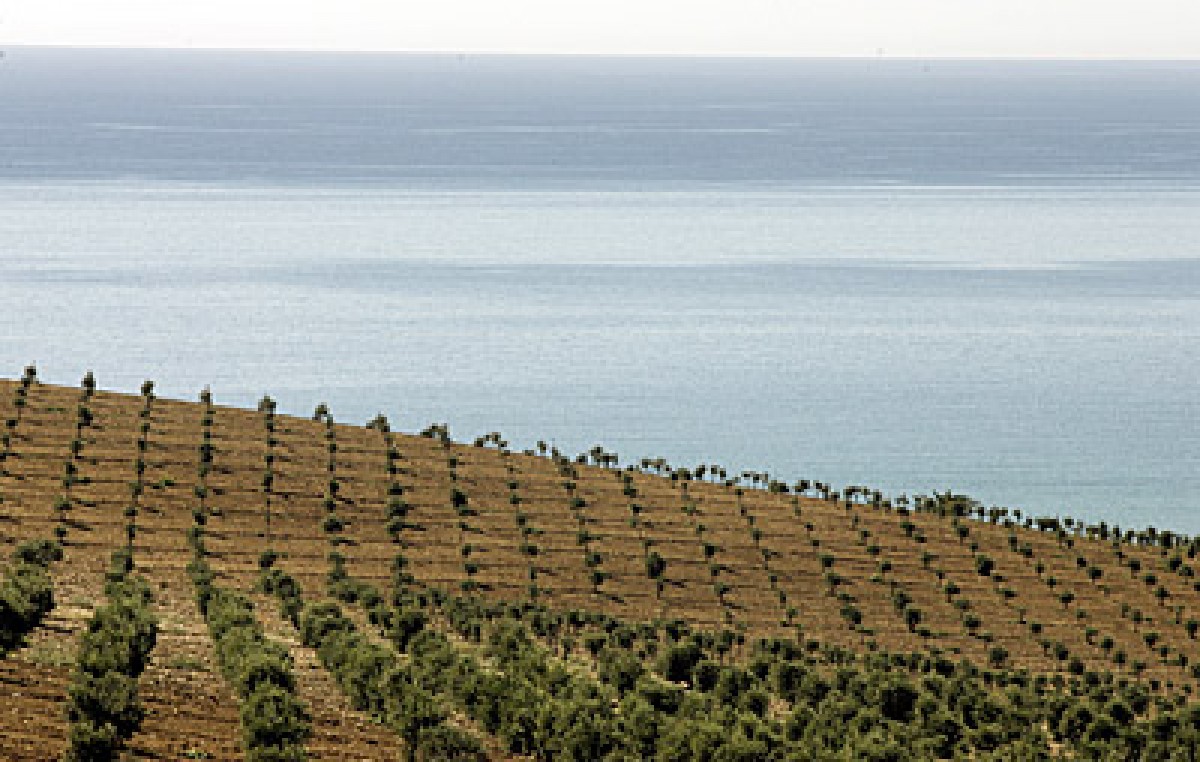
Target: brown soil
(191, 710)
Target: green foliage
(377, 682)
(38, 553)
(442, 743)
(984, 565)
(619, 668)
(26, 593)
(275, 724)
(659, 690)
(104, 710)
(655, 565)
(826, 703)
(283, 586)
(678, 662)
(103, 706)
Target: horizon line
(883, 56)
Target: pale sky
(910, 28)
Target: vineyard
(184, 580)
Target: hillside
(191, 487)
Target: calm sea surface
(982, 276)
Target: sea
(981, 276)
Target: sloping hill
(105, 471)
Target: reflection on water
(977, 276)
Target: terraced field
(749, 557)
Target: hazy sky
(1027, 28)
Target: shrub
(275, 724)
(678, 662)
(375, 681)
(26, 593)
(441, 743)
(912, 617)
(103, 704)
(38, 553)
(103, 710)
(984, 565)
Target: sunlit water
(977, 276)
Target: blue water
(982, 276)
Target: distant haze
(1159, 29)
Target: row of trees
(397, 508)
(84, 421)
(371, 676)
(529, 546)
(460, 503)
(530, 532)
(266, 407)
(742, 688)
(941, 504)
(333, 524)
(882, 706)
(13, 420)
(275, 722)
(138, 486)
(758, 537)
(953, 507)
(558, 715)
(948, 505)
(954, 514)
(655, 563)
(104, 708)
(1089, 573)
(206, 455)
(527, 706)
(710, 550)
(593, 559)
